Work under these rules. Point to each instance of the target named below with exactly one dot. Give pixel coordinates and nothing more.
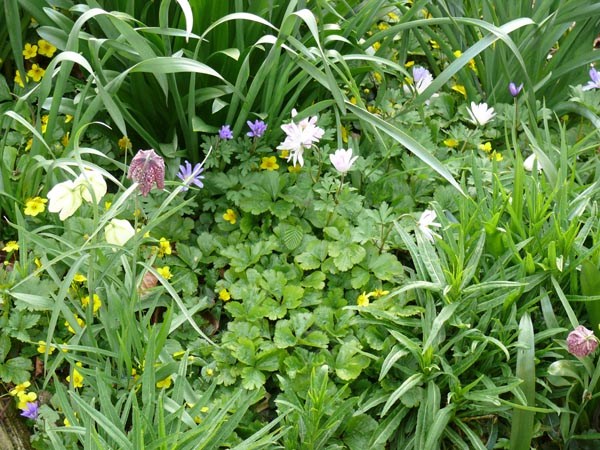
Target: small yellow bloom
(107, 206)
(376, 45)
(460, 89)
(24, 398)
(37, 262)
(378, 77)
(42, 348)
(496, 156)
(284, 154)
(36, 73)
(295, 169)
(79, 278)
(224, 295)
(164, 247)
(79, 320)
(29, 144)
(204, 409)
(487, 147)
(30, 51)
(85, 301)
(165, 383)
(124, 143)
(11, 246)
(363, 299)
(65, 139)
(66, 422)
(383, 26)
(165, 272)
(393, 16)
(77, 379)
(379, 293)
(230, 216)
(44, 127)
(408, 64)
(269, 163)
(353, 100)
(20, 388)
(457, 53)
(34, 206)
(45, 48)
(210, 372)
(45, 118)
(451, 142)
(68, 118)
(19, 80)
(434, 44)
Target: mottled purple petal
(147, 168)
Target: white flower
(342, 160)
(94, 180)
(422, 78)
(528, 163)
(426, 221)
(64, 198)
(118, 232)
(480, 113)
(300, 136)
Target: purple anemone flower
(31, 410)
(514, 89)
(225, 133)
(147, 168)
(257, 129)
(595, 80)
(189, 175)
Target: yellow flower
(451, 142)
(20, 388)
(42, 348)
(383, 26)
(79, 278)
(165, 383)
(107, 206)
(124, 143)
(68, 118)
(295, 169)
(434, 44)
(19, 80)
(30, 51)
(210, 372)
(178, 354)
(29, 144)
(376, 45)
(269, 163)
(85, 301)
(46, 48)
(378, 77)
(460, 89)
(77, 378)
(363, 299)
(66, 422)
(165, 272)
(37, 262)
(204, 409)
(408, 64)
(24, 398)
(11, 246)
(353, 100)
(224, 295)
(79, 320)
(379, 293)
(487, 147)
(230, 216)
(457, 53)
(164, 247)
(45, 118)
(36, 73)
(44, 127)
(65, 139)
(495, 156)
(393, 16)
(284, 154)
(34, 206)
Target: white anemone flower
(529, 161)
(342, 160)
(118, 232)
(91, 179)
(480, 113)
(425, 222)
(64, 198)
(300, 136)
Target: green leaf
(345, 255)
(5, 345)
(315, 339)
(252, 378)
(284, 337)
(292, 296)
(292, 236)
(590, 286)
(315, 280)
(244, 350)
(348, 363)
(386, 267)
(360, 277)
(15, 370)
(313, 256)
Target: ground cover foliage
(247, 284)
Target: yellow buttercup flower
(434, 44)
(379, 293)
(164, 247)
(295, 169)
(24, 398)
(393, 16)
(29, 144)
(230, 216)
(124, 143)
(164, 383)
(224, 295)
(42, 348)
(79, 320)
(284, 154)
(210, 372)
(460, 89)
(269, 163)
(79, 278)
(378, 77)
(68, 118)
(19, 80)
(20, 388)
(45, 118)
(77, 379)
(376, 45)
(45, 48)
(496, 156)
(353, 100)
(451, 142)
(487, 147)
(30, 51)
(11, 246)
(165, 272)
(34, 206)
(66, 422)
(65, 139)
(36, 73)
(383, 26)
(363, 299)
(85, 301)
